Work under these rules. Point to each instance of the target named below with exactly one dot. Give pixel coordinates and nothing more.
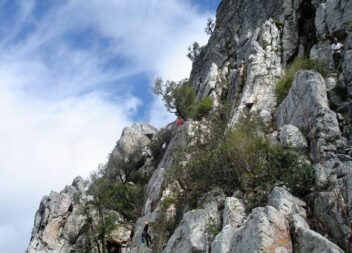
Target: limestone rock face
(347, 72)
(306, 107)
(196, 230)
(57, 221)
(265, 231)
(312, 242)
(246, 55)
(332, 18)
(134, 141)
(287, 204)
(291, 136)
(223, 242)
(234, 212)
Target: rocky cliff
(249, 51)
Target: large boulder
(347, 72)
(223, 242)
(233, 217)
(234, 212)
(59, 220)
(332, 18)
(291, 136)
(308, 241)
(198, 227)
(330, 210)
(265, 231)
(306, 107)
(133, 146)
(291, 207)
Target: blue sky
(73, 74)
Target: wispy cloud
(65, 89)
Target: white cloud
(56, 121)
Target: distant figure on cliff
(147, 238)
(336, 48)
(180, 121)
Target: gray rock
(58, 220)
(306, 107)
(291, 136)
(347, 72)
(331, 83)
(263, 70)
(308, 241)
(265, 231)
(234, 212)
(134, 140)
(330, 210)
(332, 18)
(286, 203)
(197, 228)
(224, 240)
(321, 51)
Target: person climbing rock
(145, 235)
(336, 48)
(180, 121)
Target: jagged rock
(138, 135)
(197, 228)
(322, 51)
(331, 83)
(120, 235)
(306, 107)
(332, 18)
(263, 70)
(291, 136)
(242, 62)
(51, 232)
(234, 212)
(347, 72)
(265, 231)
(57, 222)
(308, 241)
(224, 240)
(293, 208)
(153, 190)
(233, 217)
(73, 225)
(330, 210)
(287, 204)
(134, 141)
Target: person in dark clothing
(147, 238)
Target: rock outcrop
(246, 55)
(58, 221)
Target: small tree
(123, 165)
(178, 97)
(209, 29)
(107, 199)
(194, 51)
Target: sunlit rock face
(246, 55)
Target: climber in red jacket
(180, 121)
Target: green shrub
(201, 109)
(117, 196)
(278, 23)
(164, 136)
(241, 159)
(180, 99)
(349, 25)
(284, 84)
(167, 202)
(165, 224)
(178, 96)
